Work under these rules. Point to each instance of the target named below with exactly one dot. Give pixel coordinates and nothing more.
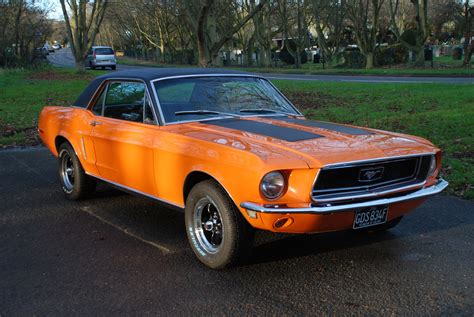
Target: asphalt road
(64, 58)
(119, 254)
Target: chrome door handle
(94, 123)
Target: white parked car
(101, 56)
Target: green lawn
(24, 93)
(442, 113)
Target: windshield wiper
(266, 110)
(204, 112)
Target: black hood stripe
(266, 129)
(325, 125)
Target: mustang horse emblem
(372, 174)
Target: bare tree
(328, 16)
(262, 22)
(247, 35)
(421, 27)
(24, 26)
(293, 18)
(83, 19)
(468, 33)
(203, 19)
(364, 17)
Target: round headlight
(432, 165)
(272, 185)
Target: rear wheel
(218, 234)
(75, 183)
(91, 66)
(114, 67)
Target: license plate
(371, 216)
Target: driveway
(119, 254)
(64, 58)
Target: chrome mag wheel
(67, 171)
(208, 226)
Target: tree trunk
(420, 57)
(468, 55)
(468, 45)
(369, 60)
(298, 58)
(265, 57)
(248, 52)
(80, 66)
(203, 60)
(324, 50)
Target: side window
(125, 100)
(97, 108)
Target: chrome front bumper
(424, 192)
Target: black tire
(382, 228)
(237, 235)
(91, 66)
(114, 67)
(75, 183)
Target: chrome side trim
(424, 192)
(136, 191)
(83, 148)
(298, 113)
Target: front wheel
(218, 234)
(75, 183)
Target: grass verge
(442, 113)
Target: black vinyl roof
(147, 74)
(154, 73)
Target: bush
(409, 36)
(351, 58)
(457, 53)
(287, 58)
(392, 55)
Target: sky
(53, 7)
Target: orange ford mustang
(236, 155)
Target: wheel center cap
(208, 225)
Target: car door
(124, 127)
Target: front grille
(365, 179)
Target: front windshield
(199, 98)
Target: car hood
(313, 143)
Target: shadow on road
(165, 226)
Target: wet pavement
(117, 253)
